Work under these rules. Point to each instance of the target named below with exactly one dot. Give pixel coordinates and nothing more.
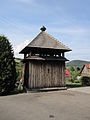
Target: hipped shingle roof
(44, 40)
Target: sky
(66, 20)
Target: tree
(72, 68)
(7, 66)
(78, 68)
(85, 81)
(74, 72)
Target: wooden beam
(25, 56)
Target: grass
(70, 84)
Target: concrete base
(47, 89)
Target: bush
(77, 81)
(85, 81)
(73, 85)
(7, 67)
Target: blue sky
(66, 20)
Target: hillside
(77, 63)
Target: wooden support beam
(59, 54)
(25, 56)
(30, 54)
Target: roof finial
(43, 28)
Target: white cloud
(19, 47)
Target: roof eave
(27, 49)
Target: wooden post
(25, 56)
(59, 54)
(30, 54)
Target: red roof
(87, 66)
(67, 73)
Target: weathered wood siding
(26, 75)
(46, 74)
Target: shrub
(7, 66)
(85, 81)
(73, 85)
(77, 81)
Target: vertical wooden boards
(26, 74)
(46, 74)
(30, 73)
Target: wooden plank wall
(46, 74)
(26, 75)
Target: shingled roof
(44, 40)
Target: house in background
(85, 71)
(68, 75)
(44, 62)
